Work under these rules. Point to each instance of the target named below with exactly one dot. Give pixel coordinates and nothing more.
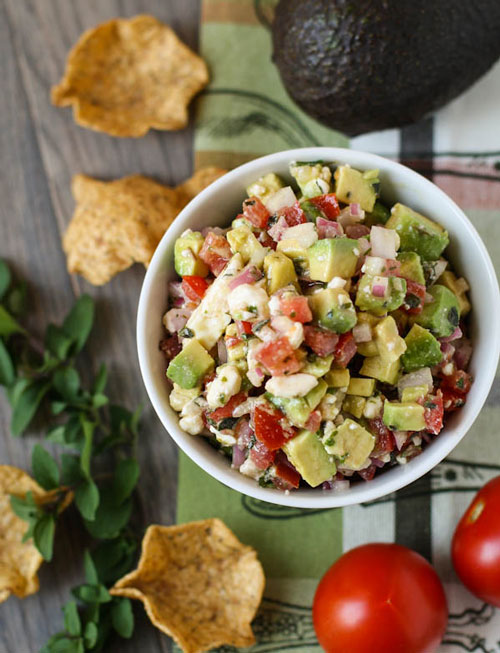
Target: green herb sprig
(97, 467)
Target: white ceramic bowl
(217, 205)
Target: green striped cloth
(246, 113)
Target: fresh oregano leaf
(67, 383)
(57, 434)
(90, 635)
(43, 535)
(67, 645)
(124, 479)
(72, 621)
(7, 372)
(109, 518)
(16, 299)
(87, 499)
(71, 473)
(92, 593)
(45, 468)
(101, 380)
(8, 325)
(122, 617)
(24, 508)
(88, 428)
(27, 404)
(5, 278)
(78, 322)
(57, 342)
(113, 558)
(90, 568)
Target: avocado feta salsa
(319, 338)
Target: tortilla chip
(198, 583)
(118, 223)
(128, 75)
(19, 561)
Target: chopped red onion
(175, 289)
(221, 351)
(328, 228)
(454, 336)
(401, 438)
(250, 275)
(175, 319)
(178, 302)
(447, 350)
(336, 486)
(278, 229)
(377, 462)
(362, 332)
(239, 456)
(422, 376)
(384, 242)
(380, 286)
(347, 217)
(356, 210)
(463, 353)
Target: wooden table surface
(41, 148)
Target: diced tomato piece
(452, 400)
(345, 349)
(244, 327)
(433, 412)
(321, 341)
(219, 414)
(458, 383)
(268, 425)
(392, 267)
(215, 252)
(266, 241)
(313, 421)
(194, 287)
(293, 215)
(171, 346)
(278, 357)
(296, 308)
(415, 296)
(384, 437)
(328, 204)
(368, 473)
(255, 212)
(261, 456)
(288, 474)
(232, 341)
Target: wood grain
(41, 148)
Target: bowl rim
(315, 498)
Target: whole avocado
(364, 65)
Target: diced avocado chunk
(404, 416)
(317, 366)
(361, 387)
(311, 211)
(242, 240)
(390, 345)
(411, 267)
(378, 215)
(186, 250)
(190, 365)
(351, 444)
(394, 295)
(459, 287)
(310, 459)
(422, 349)
(338, 378)
(333, 309)
(314, 396)
(298, 409)
(354, 405)
(265, 186)
(443, 314)
(279, 271)
(352, 187)
(417, 233)
(333, 257)
(312, 178)
(414, 392)
(382, 370)
(294, 249)
(367, 348)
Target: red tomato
(194, 287)
(345, 349)
(268, 426)
(255, 212)
(459, 382)
(278, 357)
(293, 215)
(296, 308)
(244, 327)
(328, 204)
(288, 474)
(475, 548)
(219, 414)
(415, 296)
(433, 412)
(368, 473)
(171, 346)
(266, 241)
(261, 456)
(380, 598)
(384, 437)
(452, 401)
(313, 421)
(215, 252)
(392, 267)
(321, 341)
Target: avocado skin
(363, 65)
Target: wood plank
(45, 148)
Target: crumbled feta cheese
(248, 302)
(226, 384)
(246, 407)
(191, 418)
(179, 397)
(225, 439)
(266, 334)
(295, 385)
(448, 369)
(255, 377)
(293, 331)
(305, 234)
(175, 319)
(373, 407)
(249, 469)
(336, 282)
(274, 306)
(374, 265)
(331, 404)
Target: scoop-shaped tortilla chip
(128, 75)
(198, 583)
(19, 561)
(118, 223)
